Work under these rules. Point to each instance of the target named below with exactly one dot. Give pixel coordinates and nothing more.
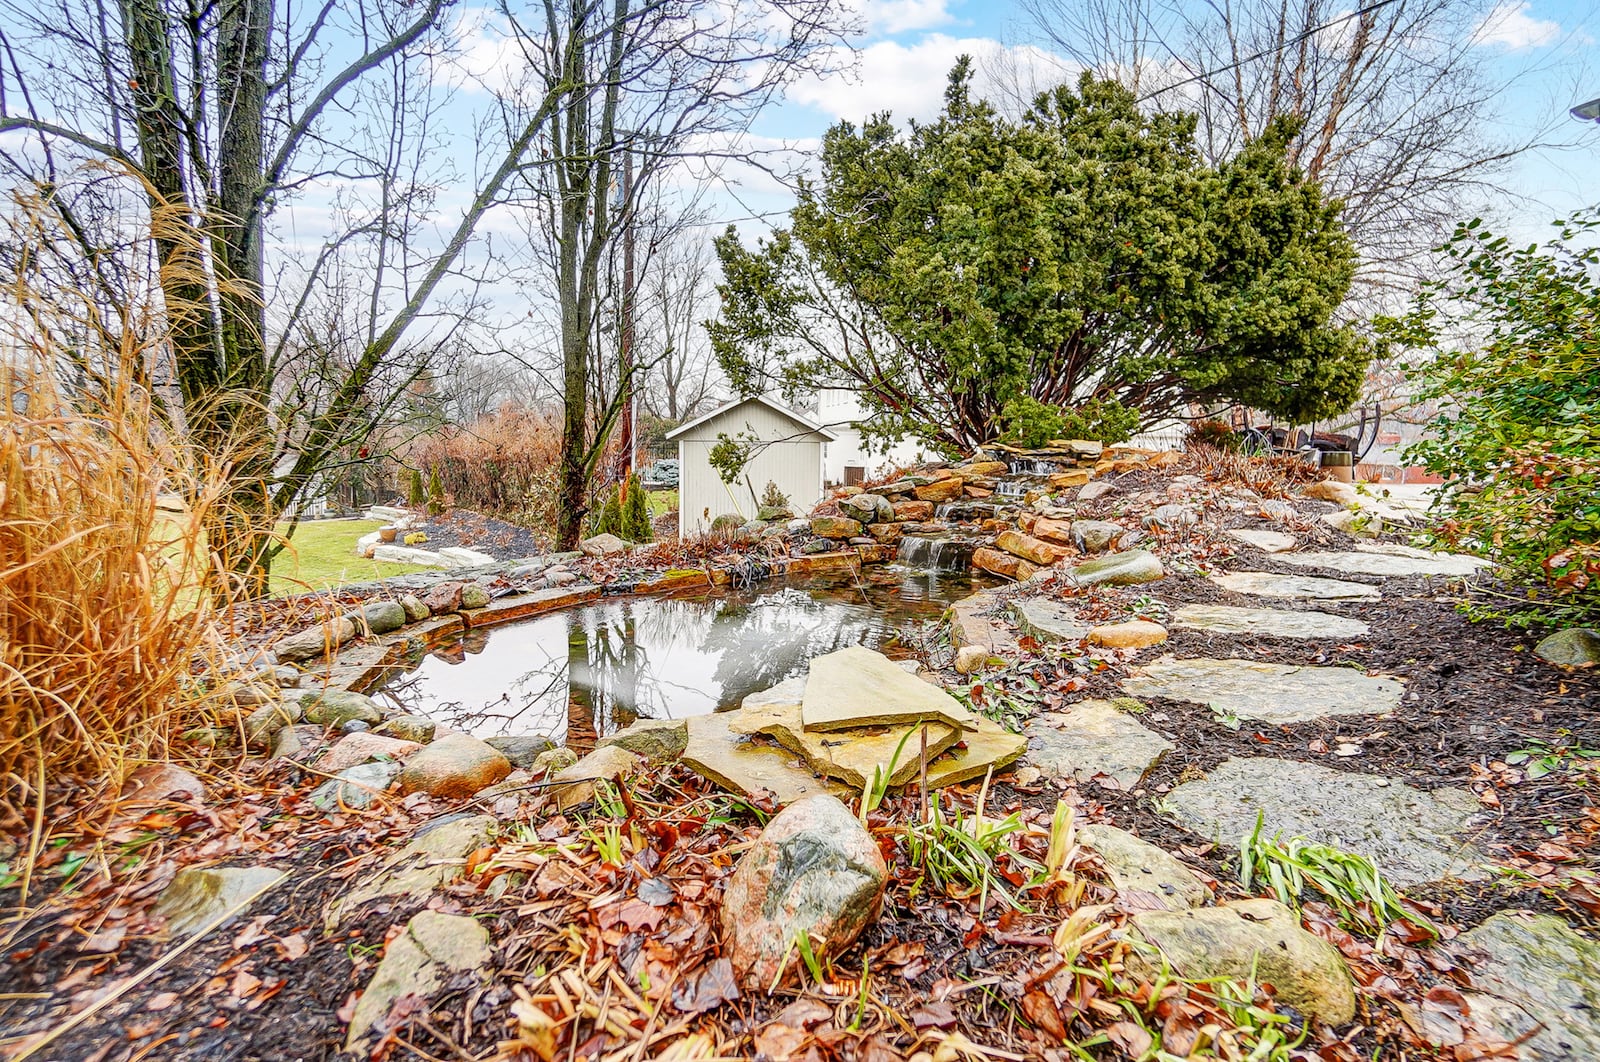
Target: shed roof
(799, 418)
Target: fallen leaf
(244, 983)
(1041, 1010)
(713, 987)
(1134, 1041)
(162, 1000)
(937, 1015)
(293, 946)
(657, 892)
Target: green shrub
(1516, 433)
(635, 512)
(1212, 433)
(416, 497)
(1032, 423)
(435, 492)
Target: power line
(1313, 31)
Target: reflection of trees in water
(602, 666)
(765, 642)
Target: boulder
(1254, 938)
(355, 788)
(1168, 517)
(1573, 647)
(1145, 877)
(819, 545)
(654, 739)
(199, 896)
(474, 596)
(1119, 569)
(353, 750)
(1536, 978)
(1095, 491)
(1033, 550)
(415, 610)
(1134, 634)
(996, 562)
(886, 534)
(982, 468)
(1076, 477)
(972, 658)
(435, 856)
(605, 545)
(814, 871)
(1051, 622)
(418, 728)
(553, 761)
(381, 617)
(576, 784)
(263, 724)
(454, 767)
(769, 513)
(523, 749)
(338, 707)
(444, 598)
(1331, 490)
(1094, 536)
(940, 490)
(1049, 528)
(434, 949)
(914, 511)
(868, 508)
(835, 527)
(316, 642)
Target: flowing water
(598, 667)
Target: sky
(1545, 54)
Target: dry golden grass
(105, 606)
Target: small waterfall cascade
(1011, 488)
(935, 554)
(1032, 466)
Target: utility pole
(625, 428)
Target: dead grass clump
(503, 465)
(106, 598)
(1270, 477)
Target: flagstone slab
(1537, 978)
(1274, 622)
(856, 687)
(984, 746)
(1412, 835)
(739, 765)
(1265, 540)
(1300, 587)
(1274, 693)
(1047, 621)
(1093, 739)
(1385, 563)
(852, 756)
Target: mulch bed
(498, 538)
(272, 987)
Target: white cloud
(1511, 26)
(898, 16)
(909, 80)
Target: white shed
(790, 455)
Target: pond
(598, 667)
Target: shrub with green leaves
(1517, 430)
(1030, 422)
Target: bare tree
(674, 303)
(642, 91)
(221, 113)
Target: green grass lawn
(322, 554)
(661, 501)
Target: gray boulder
(522, 749)
(338, 707)
(815, 871)
(381, 617)
(313, 643)
(1119, 569)
(1573, 647)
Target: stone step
(1412, 835)
(1274, 693)
(1273, 622)
(1386, 562)
(1297, 587)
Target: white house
(789, 454)
(845, 461)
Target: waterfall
(1031, 466)
(935, 554)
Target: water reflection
(594, 669)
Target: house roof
(798, 418)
